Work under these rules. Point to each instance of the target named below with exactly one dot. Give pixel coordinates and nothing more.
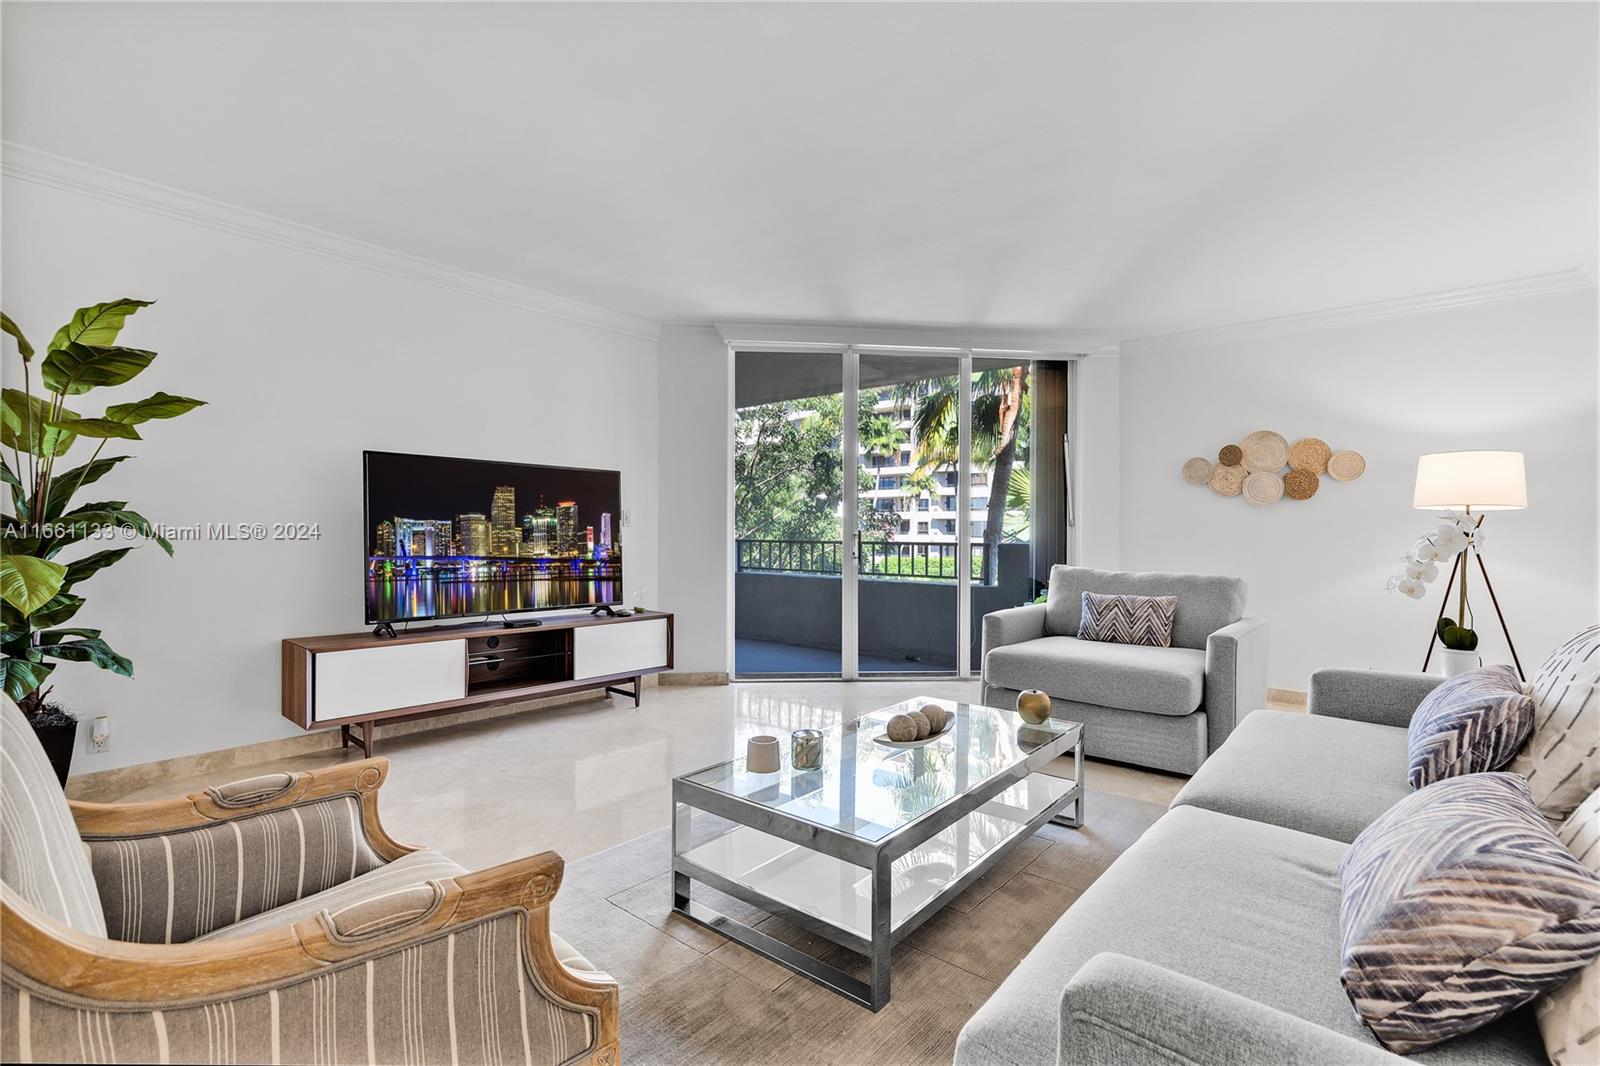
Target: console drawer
(368, 680)
(619, 648)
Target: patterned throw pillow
(1472, 723)
(1562, 759)
(1143, 620)
(1569, 1017)
(1457, 906)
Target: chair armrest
(468, 953)
(1121, 1011)
(173, 870)
(246, 799)
(1236, 677)
(1012, 626)
(1381, 697)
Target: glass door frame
(850, 516)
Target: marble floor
(584, 777)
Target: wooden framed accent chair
(272, 920)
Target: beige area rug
(690, 996)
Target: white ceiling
(1134, 169)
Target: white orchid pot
(1457, 661)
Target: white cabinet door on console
(367, 680)
(619, 648)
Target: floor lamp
(1473, 482)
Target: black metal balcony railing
(925, 560)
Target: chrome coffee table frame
(875, 856)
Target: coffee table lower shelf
(834, 898)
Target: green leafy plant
(1457, 638)
(37, 585)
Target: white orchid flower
(1426, 551)
(1411, 587)
(1449, 540)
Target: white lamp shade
(1483, 481)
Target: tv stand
(384, 631)
(355, 681)
(605, 609)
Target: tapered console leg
(366, 739)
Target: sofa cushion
(415, 868)
(1327, 776)
(1250, 908)
(1471, 724)
(1562, 759)
(41, 854)
(1143, 620)
(1128, 677)
(1205, 603)
(1459, 905)
(1569, 1017)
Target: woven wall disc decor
(1300, 484)
(1265, 450)
(1227, 480)
(1263, 488)
(1309, 453)
(1255, 468)
(1346, 466)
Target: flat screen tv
(453, 538)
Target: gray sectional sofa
(1215, 938)
(1166, 708)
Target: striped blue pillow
(1457, 906)
(1473, 723)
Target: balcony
(788, 604)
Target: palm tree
(999, 403)
(880, 436)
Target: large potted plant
(37, 584)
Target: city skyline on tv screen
(460, 537)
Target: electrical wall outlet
(97, 740)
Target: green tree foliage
(1000, 412)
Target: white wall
(695, 406)
(1514, 375)
(1096, 411)
(305, 362)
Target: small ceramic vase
(761, 755)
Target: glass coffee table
(873, 843)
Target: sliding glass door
(910, 514)
(788, 510)
(1001, 482)
(889, 576)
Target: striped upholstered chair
(272, 920)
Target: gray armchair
(1166, 708)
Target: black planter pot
(58, 738)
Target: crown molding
(1356, 314)
(24, 163)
